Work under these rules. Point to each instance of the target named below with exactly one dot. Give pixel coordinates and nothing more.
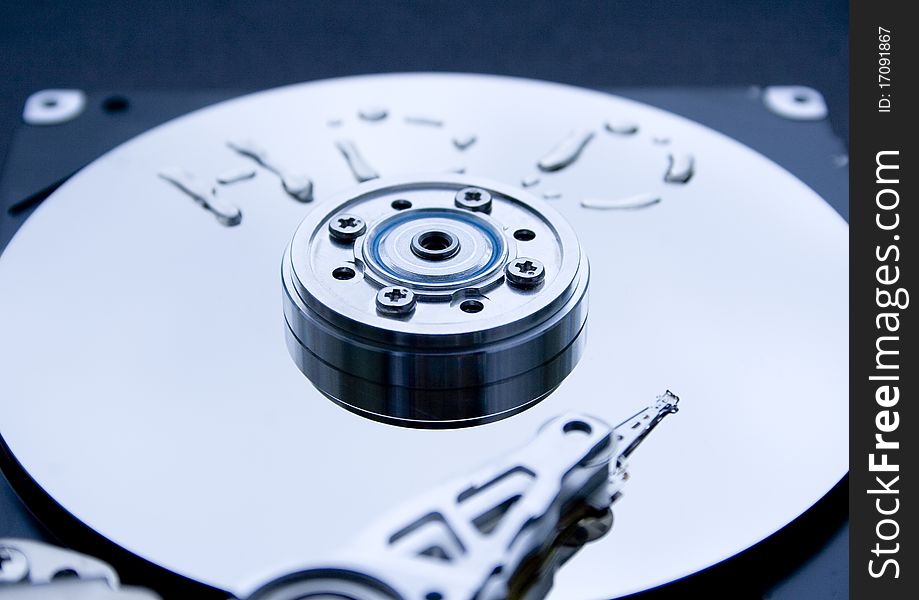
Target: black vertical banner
(884, 166)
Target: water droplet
(456, 170)
(224, 212)
(426, 121)
(566, 151)
(660, 140)
(360, 168)
(627, 203)
(298, 186)
(680, 168)
(529, 181)
(373, 113)
(464, 141)
(622, 127)
(551, 195)
(235, 176)
(334, 122)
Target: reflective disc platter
(147, 387)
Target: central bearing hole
(435, 245)
(435, 240)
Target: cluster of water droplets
(299, 186)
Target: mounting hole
(524, 235)
(115, 104)
(65, 574)
(434, 596)
(471, 306)
(577, 427)
(49, 102)
(343, 273)
(401, 204)
(801, 98)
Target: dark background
(251, 45)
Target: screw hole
(801, 98)
(343, 273)
(471, 306)
(578, 427)
(115, 104)
(49, 102)
(524, 235)
(434, 596)
(401, 204)
(65, 574)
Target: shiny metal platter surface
(147, 387)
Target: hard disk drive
(235, 341)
